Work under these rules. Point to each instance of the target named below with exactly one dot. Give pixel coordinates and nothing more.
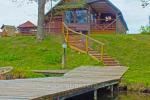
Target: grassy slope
(25, 54)
(132, 51)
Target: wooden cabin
(8, 30)
(88, 16)
(27, 28)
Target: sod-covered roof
(61, 6)
(71, 5)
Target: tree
(145, 30)
(145, 3)
(41, 15)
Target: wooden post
(89, 19)
(86, 45)
(63, 29)
(112, 90)
(67, 37)
(95, 94)
(102, 52)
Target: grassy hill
(132, 51)
(25, 54)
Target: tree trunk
(41, 15)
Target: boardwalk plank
(79, 79)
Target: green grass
(25, 54)
(132, 51)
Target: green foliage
(19, 73)
(10, 57)
(54, 58)
(145, 30)
(132, 51)
(71, 5)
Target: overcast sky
(15, 14)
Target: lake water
(115, 96)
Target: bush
(145, 30)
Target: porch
(95, 22)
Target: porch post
(89, 19)
(95, 94)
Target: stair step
(98, 55)
(111, 62)
(93, 52)
(104, 57)
(78, 43)
(112, 65)
(115, 63)
(75, 42)
(108, 59)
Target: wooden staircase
(85, 44)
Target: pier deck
(78, 81)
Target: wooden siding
(120, 27)
(55, 26)
(103, 31)
(28, 31)
(79, 27)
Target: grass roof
(71, 5)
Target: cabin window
(76, 16)
(81, 16)
(69, 17)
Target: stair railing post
(67, 37)
(63, 29)
(102, 52)
(87, 45)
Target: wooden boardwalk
(78, 81)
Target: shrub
(145, 30)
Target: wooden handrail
(82, 34)
(100, 44)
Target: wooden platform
(51, 71)
(75, 82)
